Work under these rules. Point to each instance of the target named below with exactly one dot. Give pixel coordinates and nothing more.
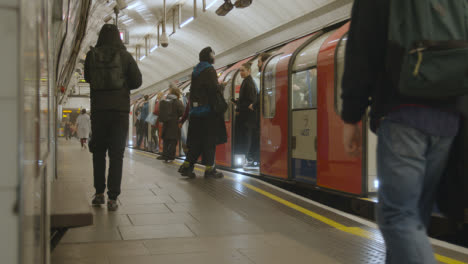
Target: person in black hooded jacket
(112, 73)
(205, 129)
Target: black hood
(110, 36)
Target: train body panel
(336, 169)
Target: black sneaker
(187, 171)
(213, 173)
(98, 199)
(112, 205)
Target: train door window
(304, 77)
(339, 70)
(227, 94)
(237, 84)
(307, 57)
(255, 74)
(269, 88)
(304, 89)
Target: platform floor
(164, 218)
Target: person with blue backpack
(111, 72)
(407, 60)
(206, 122)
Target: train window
(304, 89)
(307, 57)
(339, 70)
(269, 88)
(255, 74)
(227, 94)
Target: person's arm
(365, 59)
(212, 85)
(134, 79)
(249, 96)
(186, 113)
(87, 67)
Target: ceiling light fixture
(212, 4)
(225, 8)
(186, 22)
(121, 4)
(242, 3)
(131, 6)
(153, 48)
(142, 57)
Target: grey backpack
(428, 48)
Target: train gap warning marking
(350, 230)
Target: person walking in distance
(83, 125)
(112, 72)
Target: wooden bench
(69, 208)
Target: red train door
(274, 116)
(336, 170)
(224, 156)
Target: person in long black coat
(247, 122)
(206, 127)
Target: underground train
(300, 127)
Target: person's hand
(251, 107)
(352, 139)
(180, 125)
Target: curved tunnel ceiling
(208, 29)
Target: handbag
(151, 119)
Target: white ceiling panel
(221, 33)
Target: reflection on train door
(303, 101)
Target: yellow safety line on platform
(350, 230)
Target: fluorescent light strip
(153, 48)
(186, 22)
(211, 5)
(142, 57)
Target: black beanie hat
(205, 55)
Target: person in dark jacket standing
(247, 116)
(203, 131)
(414, 136)
(142, 125)
(112, 73)
(171, 130)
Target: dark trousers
(143, 128)
(110, 131)
(253, 144)
(201, 141)
(169, 148)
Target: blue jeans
(410, 164)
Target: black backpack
(106, 71)
(428, 47)
(166, 110)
